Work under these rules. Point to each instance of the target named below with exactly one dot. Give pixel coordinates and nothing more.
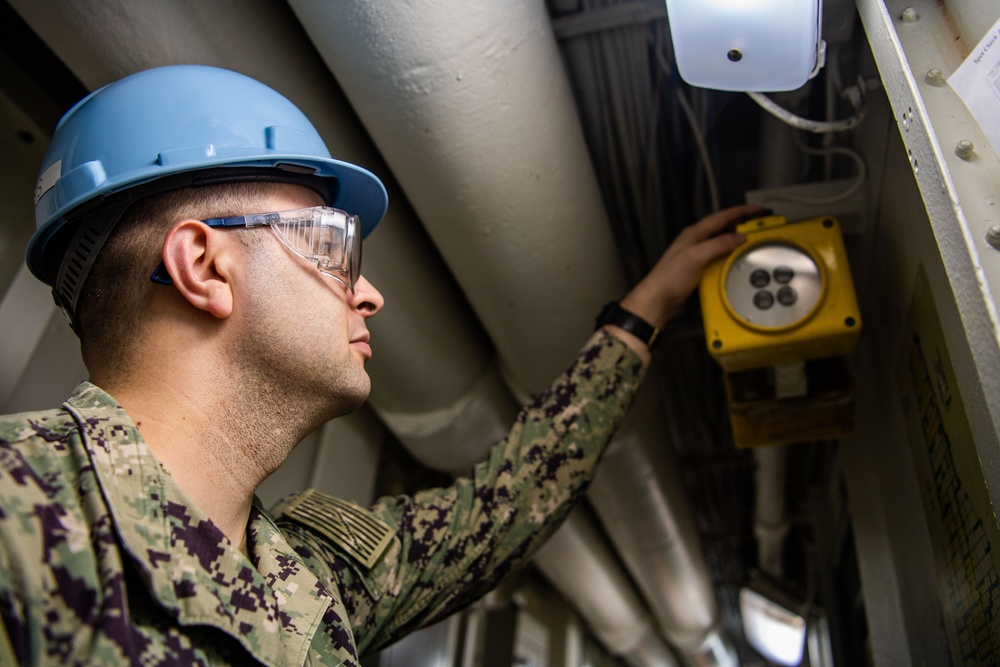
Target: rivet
(909, 15)
(934, 77)
(965, 149)
(993, 236)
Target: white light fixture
(775, 631)
(747, 45)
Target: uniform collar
(191, 567)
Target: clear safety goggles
(324, 236)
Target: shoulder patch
(351, 527)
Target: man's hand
(662, 293)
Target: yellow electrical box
(780, 315)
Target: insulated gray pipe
(640, 499)
(470, 106)
(579, 563)
(770, 522)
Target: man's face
(303, 333)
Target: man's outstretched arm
(451, 545)
(661, 294)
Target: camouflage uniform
(103, 560)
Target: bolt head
(965, 149)
(934, 77)
(993, 236)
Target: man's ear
(200, 259)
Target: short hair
(117, 292)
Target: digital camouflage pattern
(104, 561)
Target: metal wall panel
(923, 470)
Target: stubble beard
(290, 362)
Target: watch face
(773, 285)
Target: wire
(697, 131)
(817, 126)
(857, 184)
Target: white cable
(859, 180)
(699, 137)
(817, 126)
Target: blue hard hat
(175, 126)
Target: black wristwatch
(613, 313)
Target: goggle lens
(326, 236)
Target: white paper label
(977, 82)
(47, 180)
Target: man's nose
(366, 298)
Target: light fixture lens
(775, 632)
(746, 45)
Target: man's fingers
(717, 222)
(676, 274)
(704, 253)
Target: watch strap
(613, 313)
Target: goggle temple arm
(161, 276)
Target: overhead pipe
(581, 565)
(779, 166)
(770, 522)
(470, 106)
(639, 490)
